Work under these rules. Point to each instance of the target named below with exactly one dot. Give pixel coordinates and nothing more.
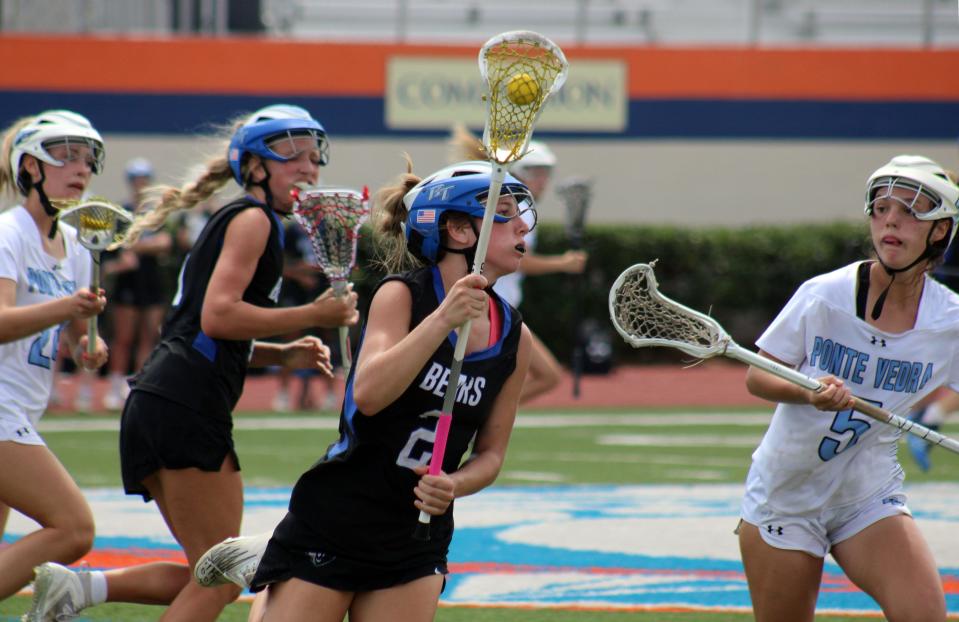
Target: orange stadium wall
(693, 136)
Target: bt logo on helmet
(441, 192)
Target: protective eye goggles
(289, 137)
(73, 150)
(524, 206)
(884, 187)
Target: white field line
(698, 440)
(523, 421)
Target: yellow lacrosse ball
(522, 89)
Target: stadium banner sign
(433, 93)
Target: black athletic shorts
(290, 554)
(158, 433)
(137, 293)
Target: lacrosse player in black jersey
(345, 547)
(176, 442)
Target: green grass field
(610, 447)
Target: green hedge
(742, 277)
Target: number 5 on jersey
(43, 350)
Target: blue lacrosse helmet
(461, 187)
(265, 126)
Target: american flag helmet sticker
(425, 216)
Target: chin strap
(51, 211)
(892, 272)
(469, 253)
(264, 185)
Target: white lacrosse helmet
(537, 155)
(50, 128)
(926, 178)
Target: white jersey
(26, 365)
(510, 286)
(810, 459)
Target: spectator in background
(138, 299)
(303, 282)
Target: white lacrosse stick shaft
(495, 185)
(523, 55)
(739, 353)
(340, 291)
(720, 343)
(497, 176)
(95, 288)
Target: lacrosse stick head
(521, 69)
(576, 193)
(645, 317)
(332, 218)
(96, 220)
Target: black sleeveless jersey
(187, 366)
(358, 499)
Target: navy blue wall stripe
(364, 116)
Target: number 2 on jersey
(418, 449)
(43, 350)
(844, 421)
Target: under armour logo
(874, 341)
(777, 530)
(23, 432)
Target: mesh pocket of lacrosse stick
(645, 317)
(97, 221)
(576, 194)
(332, 218)
(522, 69)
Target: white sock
(116, 382)
(934, 415)
(98, 587)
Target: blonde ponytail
(161, 201)
(464, 146)
(8, 181)
(389, 214)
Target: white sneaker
(113, 401)
(83, 402)
(281, 401)
(58, 593)
(331, 401)
(234, 560)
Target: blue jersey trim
(348, 414)
(205, 346)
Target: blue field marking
(616, 547)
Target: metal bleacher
(628, 22)
(807, 23)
